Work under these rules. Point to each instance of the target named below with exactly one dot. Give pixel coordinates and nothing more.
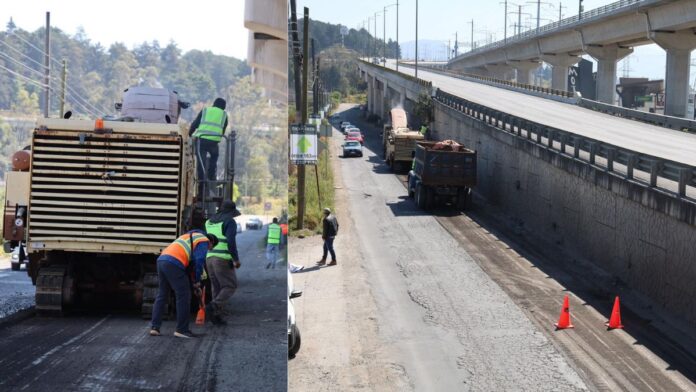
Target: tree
(11, 26)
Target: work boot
(186, 334)
(322, 261)
(333, 262)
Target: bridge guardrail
(422, 82)
(671, 122)
(500, 82)
(677, 123)
(683, 175)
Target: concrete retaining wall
(585, 208)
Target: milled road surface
(16, 290)
(640, 357)
(441, 322)
(113, 352)
(641, 137)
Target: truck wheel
(408, 186)
(420, 196)
(16, 266)
(429, 198)
(292, 351)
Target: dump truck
(442, 173)
(102, 198)
(398, 141)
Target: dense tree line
(97, 76)
(360, 40)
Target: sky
(217, 26)
(440, 19)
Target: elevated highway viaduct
(608, 34)
(617, 192)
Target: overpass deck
(640, 137)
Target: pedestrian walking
(273, 235)
(329, 232)
(223, 260)
(208, 127)
(183, 257)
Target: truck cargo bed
(445, 168)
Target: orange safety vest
(284, 228)
(183, 246)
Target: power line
(22, 64)
(23, 55)
(30, 80)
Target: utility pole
(384, 33)
(47, 64)
(456, 44)
(315, 84)
(398, 48)
(505, 28)
(538, 14)
(416, 39)
(301, 168)
(580, 9)
(376, 39)
(296, 59)
(519, 20)
(472, 34)
(62, 90)
(560, 11)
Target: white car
(16, 261)
(294, 339)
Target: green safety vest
(274, 231)
(212, 124)
(220, 250)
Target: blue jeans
(174, 278)
(272, 254)
(328, 247)
(207, 155)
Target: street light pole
(384, 34)
(505, 33)
(398, 48)
(416, 39)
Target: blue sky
(440, 19)
(191, 26)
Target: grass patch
(313, 205)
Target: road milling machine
(99, 199)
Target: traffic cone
(200, 317)
(615, 320)
(564, 319)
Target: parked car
(344, 125)
(352, 148)
(254, 224)
(294, 338)
(355, 135)
(16, 259)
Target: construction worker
(208, 127)
(423, 130)
(183, 257)
(273, 235)
(223, 260)
(329, 232)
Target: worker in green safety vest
(222, 261)
(273, 243)
(208, 128)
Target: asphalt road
(637, 136)
(640, 357)
(446, 324)
(16, 290)
(114, 352)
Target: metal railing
(671, 122)
(583, 148)
(588, 16)
(421, 82)
(499, 82)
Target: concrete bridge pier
(679, 46)
(370, 94)
(560, 64)
(524, 70)
(607, 57)
(386, 100)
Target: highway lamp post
(384, 27)
(416, 39)
(472, 35)
(505, 23)
(538, 17)
(580, 9)
(398, 48)
(376, 40)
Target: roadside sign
(267, 206)
(344, 30)
(303, 144)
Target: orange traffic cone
(200, 317)
(615, 319)
(564, 320)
